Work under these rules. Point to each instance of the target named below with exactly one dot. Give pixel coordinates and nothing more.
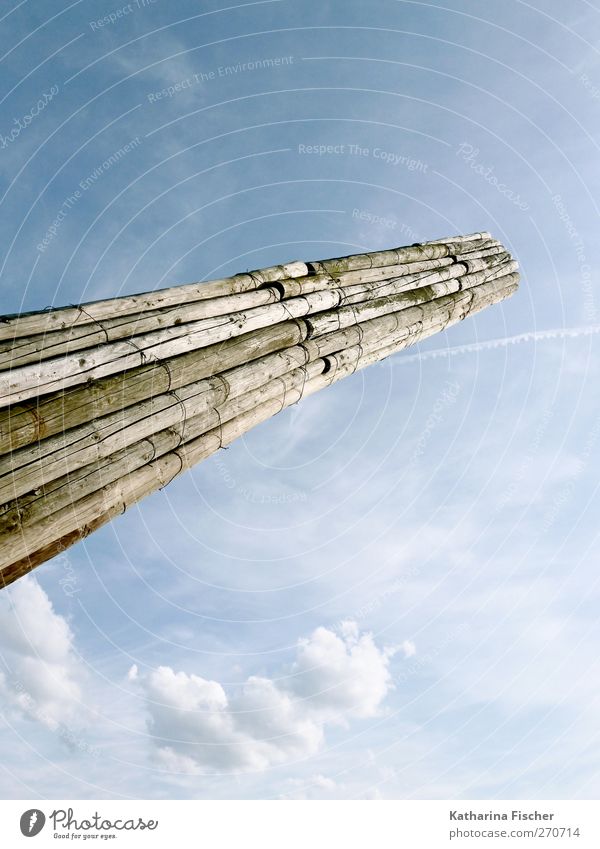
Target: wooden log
(455, 304)
(102, 366)
(51, 375)
(127, 490)
(31, 323)
(65, 490)
(396, 256)
(28, 324)
(78, 337)
(20, 568)
(371, 291)
(411, 325)
(193, 417)
(414, 275)
(36, 465)
(469, 237)
(479, 252)
(510, 267)
(75, 521)
(26, 423)
(425, 322)
(345, 316)
(33, 466)
(33, 420)
(48, 376)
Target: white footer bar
(301, 824)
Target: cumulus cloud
(409, 648)
(334, 678)
(40, 676)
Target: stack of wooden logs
(104, 403)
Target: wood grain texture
(104, 403)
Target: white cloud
(342, 675)
(409, 648)
(41, 673)
(333, 679)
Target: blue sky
(391, 589)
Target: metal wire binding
(356, 324)
(360, 347)
(91, 317)
(281, 379)
(304, 371)
(149, 439)
(165, 364)
(220, 428)
(179, 470)
(184, 419)
(225, 382)
(143, 356)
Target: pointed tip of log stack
(102, 404)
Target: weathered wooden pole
(104, 403)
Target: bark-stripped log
(78, 337)
(102, 404)
(424, 322)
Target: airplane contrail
(502, 342)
